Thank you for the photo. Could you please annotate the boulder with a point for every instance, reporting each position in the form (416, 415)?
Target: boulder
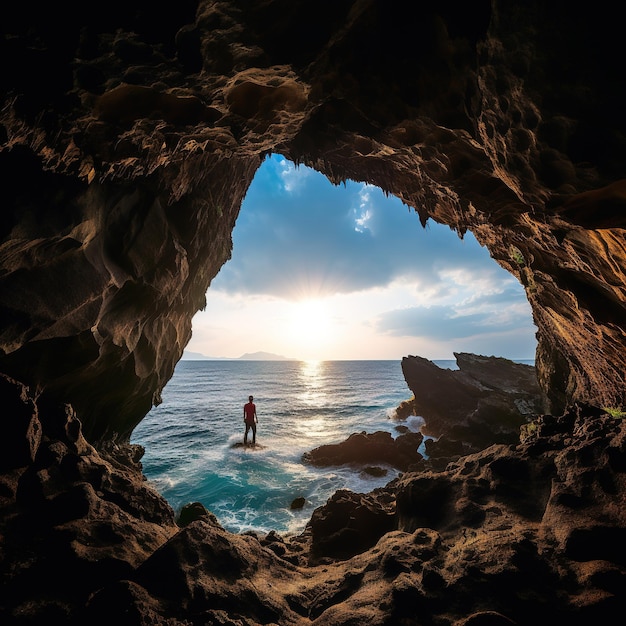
(367, 448)
(349, 523)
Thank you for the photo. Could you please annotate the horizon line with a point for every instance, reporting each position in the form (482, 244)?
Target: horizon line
(243, 358)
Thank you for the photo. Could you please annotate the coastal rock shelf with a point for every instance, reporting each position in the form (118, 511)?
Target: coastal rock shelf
(128, 139)
(498, 536)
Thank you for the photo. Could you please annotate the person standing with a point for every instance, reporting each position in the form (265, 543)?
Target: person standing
(250, 420)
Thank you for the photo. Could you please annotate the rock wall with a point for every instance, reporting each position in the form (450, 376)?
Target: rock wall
(129, 139)
(129, 135)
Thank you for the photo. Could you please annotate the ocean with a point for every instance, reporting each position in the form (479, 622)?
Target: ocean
(190, 439)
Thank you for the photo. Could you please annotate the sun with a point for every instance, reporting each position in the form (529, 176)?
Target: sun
(310, 328)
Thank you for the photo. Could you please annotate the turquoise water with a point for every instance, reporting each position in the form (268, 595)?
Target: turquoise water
(190, 438)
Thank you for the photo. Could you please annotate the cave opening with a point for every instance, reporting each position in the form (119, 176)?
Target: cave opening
(327, 272)
(328, 288)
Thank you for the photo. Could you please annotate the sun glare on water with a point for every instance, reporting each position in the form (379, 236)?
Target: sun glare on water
(311, 383)
(313, 394)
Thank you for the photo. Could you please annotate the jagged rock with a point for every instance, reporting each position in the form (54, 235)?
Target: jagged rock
(128, 139)
(373, 470)
(404, 410)
(19, 445)
(192, 512)
(443, 449)
(210, 570)
(485, 401)
(347, 524)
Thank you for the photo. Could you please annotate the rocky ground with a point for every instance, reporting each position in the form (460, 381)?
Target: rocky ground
(505, 535)
(129, 137)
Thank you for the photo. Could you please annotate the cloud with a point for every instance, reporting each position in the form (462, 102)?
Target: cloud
(391, 287)
(297, 236)
(482, 315)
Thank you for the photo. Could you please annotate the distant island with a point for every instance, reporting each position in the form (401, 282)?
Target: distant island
(248, 356)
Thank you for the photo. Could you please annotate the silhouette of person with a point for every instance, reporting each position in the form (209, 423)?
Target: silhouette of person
(250, 420)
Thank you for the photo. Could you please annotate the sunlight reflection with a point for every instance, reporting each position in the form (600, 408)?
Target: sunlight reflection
(313, 395)
(315, 431)
(312, 383)
(311, 372)
(314, 427)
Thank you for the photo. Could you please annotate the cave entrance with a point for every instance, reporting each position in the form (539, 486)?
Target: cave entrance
(325, 272)
(327, 289)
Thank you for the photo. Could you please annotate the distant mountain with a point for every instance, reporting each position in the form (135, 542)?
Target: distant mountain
(248, 356)
(194, 356)
(263, 356)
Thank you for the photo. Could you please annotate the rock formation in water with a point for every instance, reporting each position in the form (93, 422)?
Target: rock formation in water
(363, 448)
(485, 401)
(128, 138)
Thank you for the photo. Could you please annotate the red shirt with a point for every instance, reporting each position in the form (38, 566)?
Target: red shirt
(249, 412)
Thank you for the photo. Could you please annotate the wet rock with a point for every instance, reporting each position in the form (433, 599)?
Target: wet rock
(297, 503)
(363, 448)
(376, 471)
(192, 512)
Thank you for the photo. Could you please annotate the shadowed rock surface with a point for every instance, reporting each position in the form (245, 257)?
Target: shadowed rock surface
(128, 139)
(535, 528)
(483, 402)
(364, 448)
(486, 401)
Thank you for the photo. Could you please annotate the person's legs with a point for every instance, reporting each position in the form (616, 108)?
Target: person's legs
(253, 434)
(245, 437)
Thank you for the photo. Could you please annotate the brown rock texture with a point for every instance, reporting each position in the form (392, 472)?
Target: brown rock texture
(485, 401)
(128, 138)
(363, 448)
(499, 536)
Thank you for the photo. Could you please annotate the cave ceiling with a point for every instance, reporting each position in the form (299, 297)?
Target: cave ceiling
(129, 136)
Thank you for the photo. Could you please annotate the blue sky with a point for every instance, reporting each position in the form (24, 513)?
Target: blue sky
(323, 272)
